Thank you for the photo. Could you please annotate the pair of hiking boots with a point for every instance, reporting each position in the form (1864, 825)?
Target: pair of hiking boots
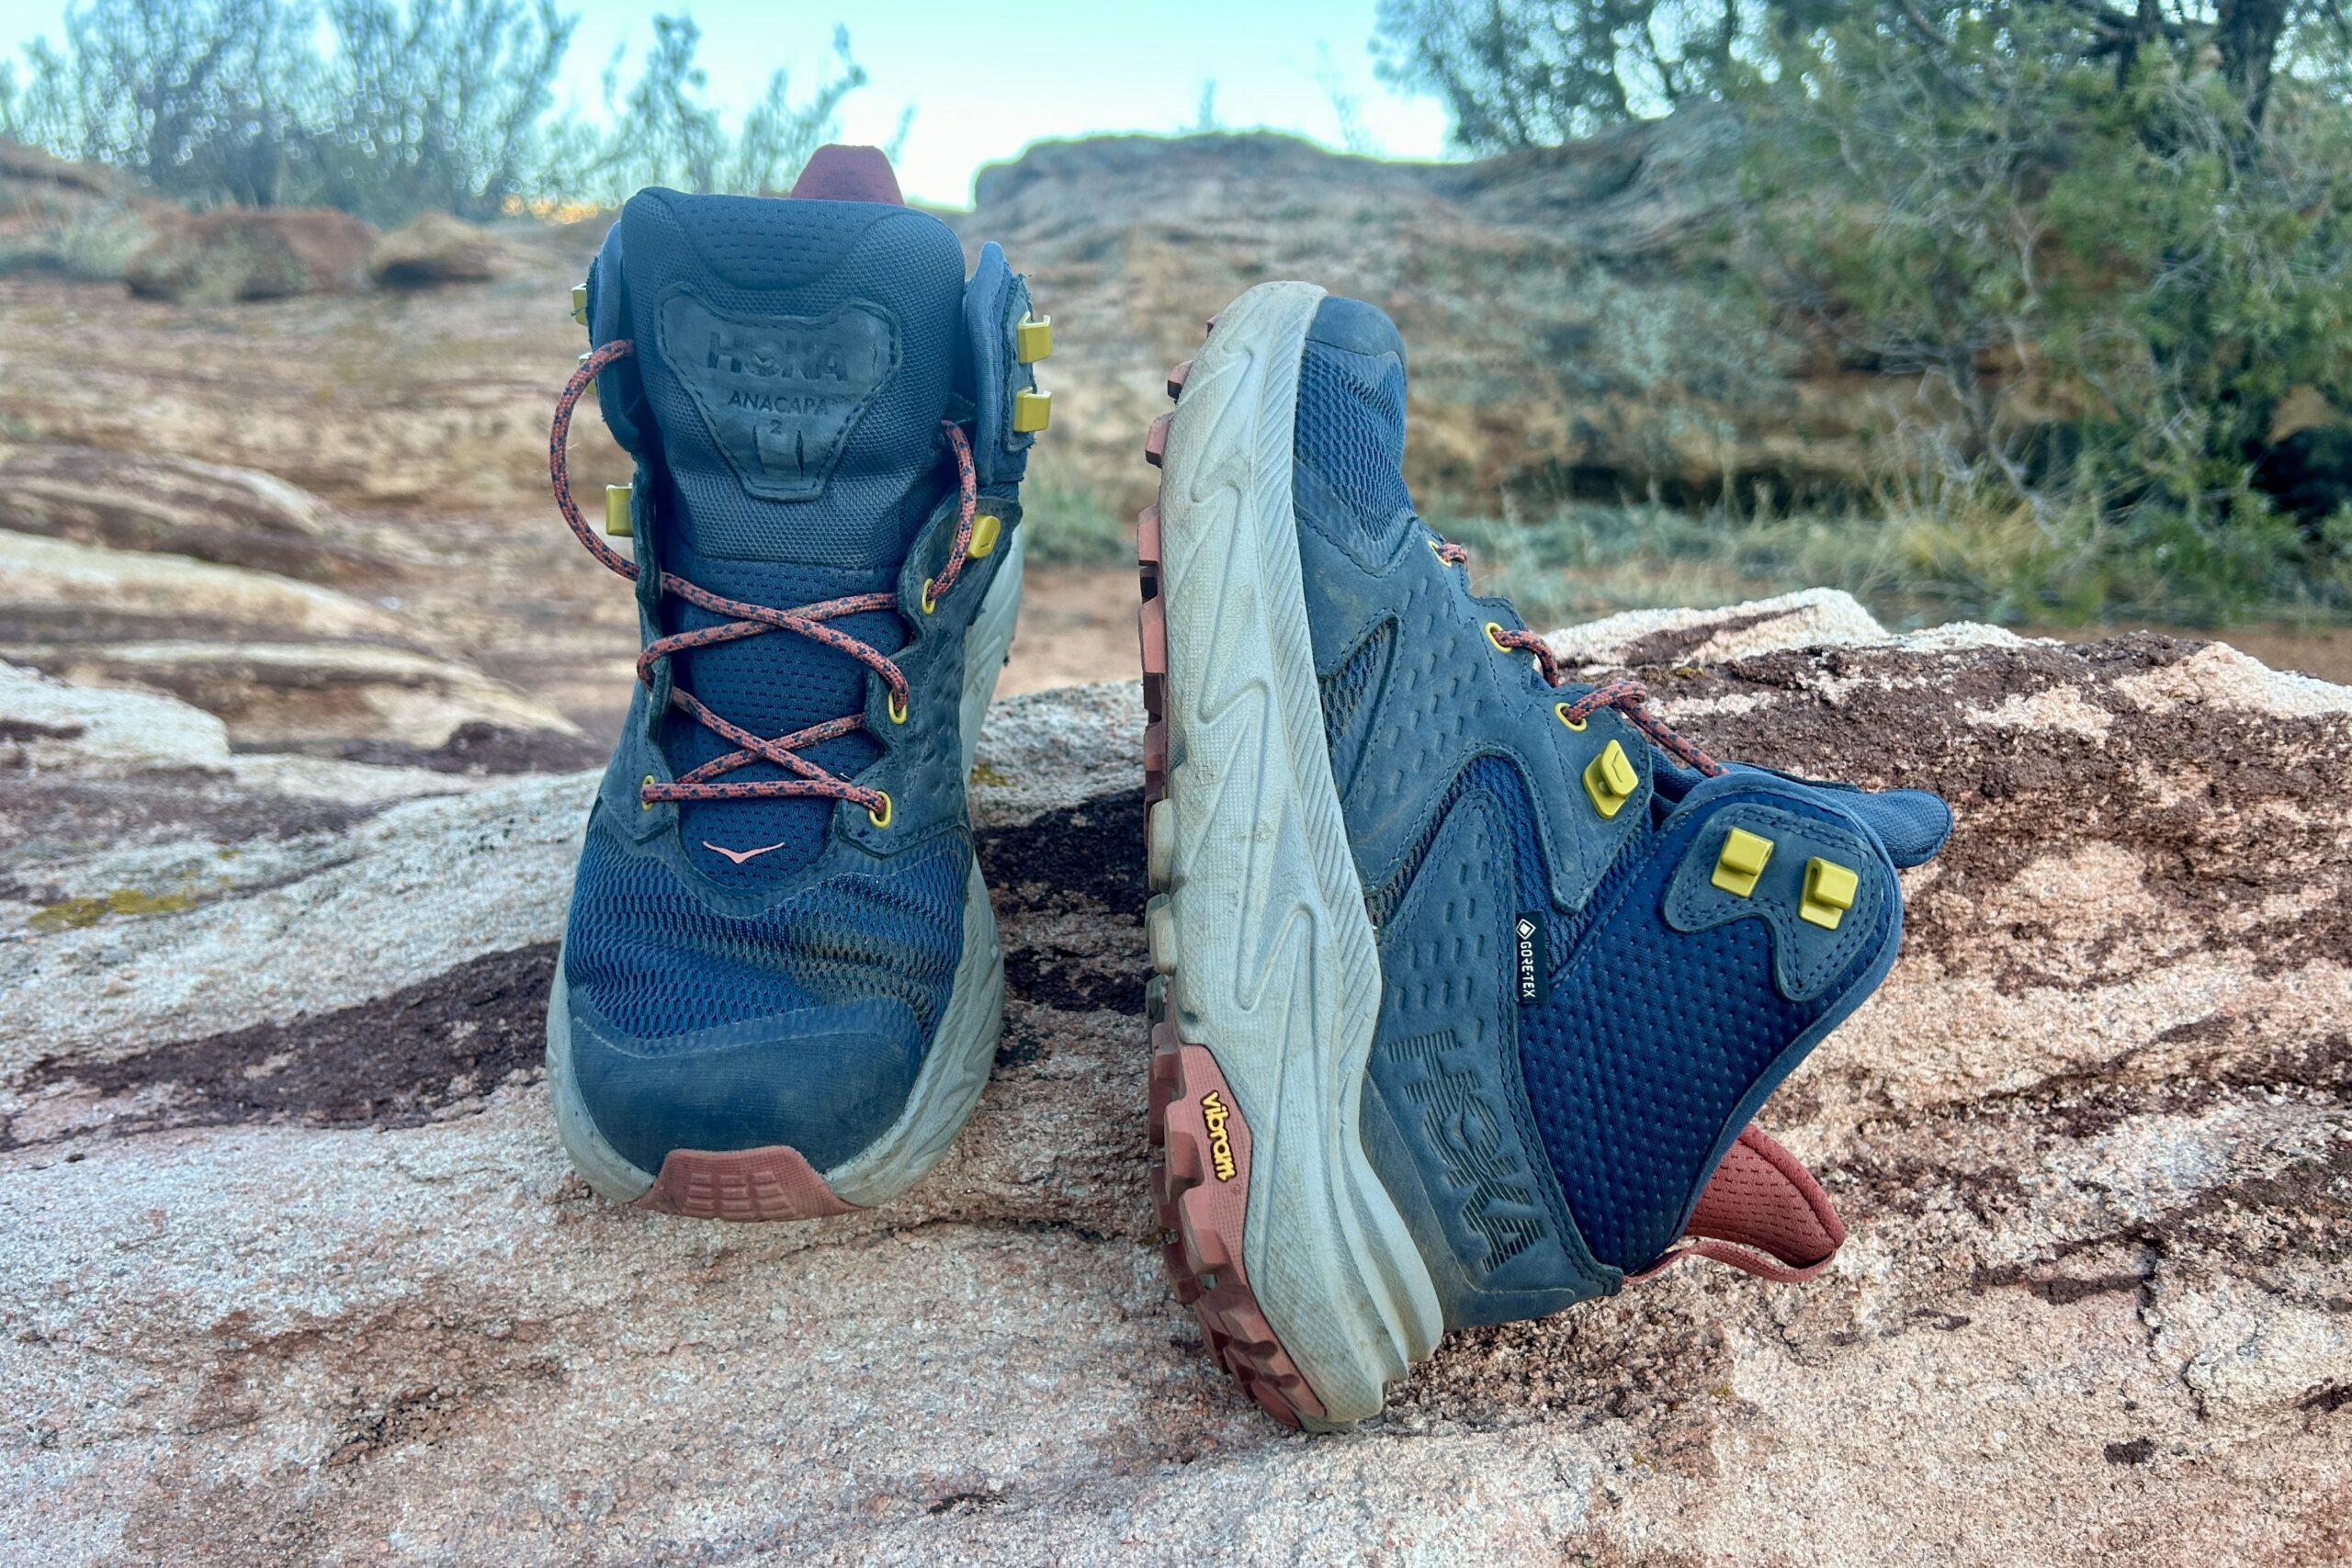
(1467, 979)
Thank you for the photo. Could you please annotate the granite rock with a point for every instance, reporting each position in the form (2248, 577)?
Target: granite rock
(298, 1272)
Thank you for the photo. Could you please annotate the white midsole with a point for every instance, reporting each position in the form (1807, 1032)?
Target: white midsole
(1276, 970)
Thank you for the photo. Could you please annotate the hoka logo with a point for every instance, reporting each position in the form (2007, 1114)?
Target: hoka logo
(742, 353)
(778, 394)
(1469, 1135)
(1213, 1113)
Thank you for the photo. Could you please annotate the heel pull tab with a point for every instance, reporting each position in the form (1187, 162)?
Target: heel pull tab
(1763, 1213)
(839, 173)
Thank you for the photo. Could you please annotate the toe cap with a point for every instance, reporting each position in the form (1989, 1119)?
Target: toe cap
(825, 1081)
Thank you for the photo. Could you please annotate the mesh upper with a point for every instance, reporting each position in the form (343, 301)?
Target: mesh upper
(1350, 694)
(1648, 1038)
(1351, 430)
(897, 935)
(1648, 1043)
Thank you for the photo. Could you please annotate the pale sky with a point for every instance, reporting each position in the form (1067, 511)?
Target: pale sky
(985, 80)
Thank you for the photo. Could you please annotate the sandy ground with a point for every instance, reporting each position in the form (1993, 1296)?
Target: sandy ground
(1076, 627)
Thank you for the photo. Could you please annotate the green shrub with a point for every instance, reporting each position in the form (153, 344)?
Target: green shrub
(388, 108)
(1980, 555)
(2118, 282)
(1066, 523)
(206, 101)
(2120, 239)
(663, 132)
(434, 104)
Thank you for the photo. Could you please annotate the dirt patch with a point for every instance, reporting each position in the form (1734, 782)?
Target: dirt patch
(395, 1062)
(1670, 647)
(1084, 861)
(2324, 652)
(20, 730)
(1635, 1358)
(1068, 887)
(2184, 794)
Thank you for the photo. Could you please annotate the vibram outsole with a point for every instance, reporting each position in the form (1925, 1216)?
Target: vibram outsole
(774, 1183)
(1200, 1189)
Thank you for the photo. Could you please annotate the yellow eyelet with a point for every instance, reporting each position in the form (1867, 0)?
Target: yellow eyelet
(897, 708)
(1576, 724)
(643, 803)
(1495, 636)
(930, 600)
(880, 818)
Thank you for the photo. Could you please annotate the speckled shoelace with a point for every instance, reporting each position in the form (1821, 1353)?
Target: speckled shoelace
(754, 620)
(1628, 697)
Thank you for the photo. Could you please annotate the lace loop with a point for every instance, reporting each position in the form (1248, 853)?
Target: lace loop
(1628, 697)
(746, 619)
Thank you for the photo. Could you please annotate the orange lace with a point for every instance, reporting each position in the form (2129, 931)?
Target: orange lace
(755, 620)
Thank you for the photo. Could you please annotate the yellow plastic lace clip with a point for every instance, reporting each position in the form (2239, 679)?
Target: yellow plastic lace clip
(1033, 339)
(1610, 779)
(1741, 862)
(1829, 890)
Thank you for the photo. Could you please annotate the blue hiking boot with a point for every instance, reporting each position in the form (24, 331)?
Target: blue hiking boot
(780, 984)
(1468, 980)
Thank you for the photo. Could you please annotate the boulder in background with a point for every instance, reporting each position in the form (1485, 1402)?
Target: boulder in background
(437, 249)
(239, 253)
(141, 500)
(71, 220)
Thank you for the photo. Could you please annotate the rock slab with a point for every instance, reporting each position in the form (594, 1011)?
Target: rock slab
(298, 1272)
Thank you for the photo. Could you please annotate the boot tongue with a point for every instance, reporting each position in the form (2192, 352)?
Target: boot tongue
(797, 356)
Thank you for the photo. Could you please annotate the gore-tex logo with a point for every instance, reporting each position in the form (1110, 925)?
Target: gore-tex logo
(1534, 974)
